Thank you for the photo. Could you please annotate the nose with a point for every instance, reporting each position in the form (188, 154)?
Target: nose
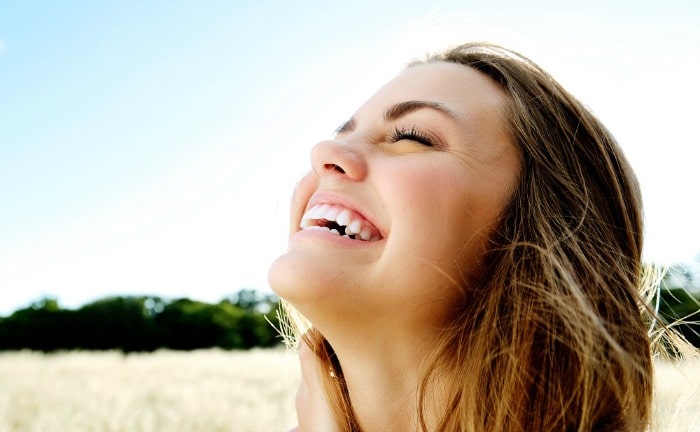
(333, 158)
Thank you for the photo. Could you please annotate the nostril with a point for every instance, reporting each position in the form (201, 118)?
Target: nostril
(335, 168)
(344, 161)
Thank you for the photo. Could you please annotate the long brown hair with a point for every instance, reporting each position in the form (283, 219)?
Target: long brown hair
(554, 336)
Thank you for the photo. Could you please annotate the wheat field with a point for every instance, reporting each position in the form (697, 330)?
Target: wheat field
(209, 390)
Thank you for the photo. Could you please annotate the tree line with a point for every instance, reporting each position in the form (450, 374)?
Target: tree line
(245, 320)
(680, 310)
(679, 304)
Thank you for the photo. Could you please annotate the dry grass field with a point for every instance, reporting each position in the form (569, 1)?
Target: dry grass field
(208, 390)
(171, 391)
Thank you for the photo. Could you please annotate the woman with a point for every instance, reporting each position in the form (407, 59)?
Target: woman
(467, 251)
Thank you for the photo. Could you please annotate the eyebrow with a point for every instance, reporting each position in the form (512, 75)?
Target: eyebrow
(401, 109)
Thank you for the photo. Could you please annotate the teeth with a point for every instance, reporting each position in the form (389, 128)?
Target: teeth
(353, 227)
(318, 212)
(366, 234)
(306, 222)
(340, 215)
(343, 218)
(331, 214)
(318, 228)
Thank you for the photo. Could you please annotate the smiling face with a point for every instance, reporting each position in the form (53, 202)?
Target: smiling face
(392, 222)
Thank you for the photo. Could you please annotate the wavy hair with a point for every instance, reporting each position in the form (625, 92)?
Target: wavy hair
(555, 335)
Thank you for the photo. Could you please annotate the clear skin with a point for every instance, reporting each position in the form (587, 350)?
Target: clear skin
(434, 192)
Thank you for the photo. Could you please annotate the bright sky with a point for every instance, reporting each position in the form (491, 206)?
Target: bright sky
(151, 147)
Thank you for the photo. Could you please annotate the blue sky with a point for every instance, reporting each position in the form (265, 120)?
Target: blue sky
(151, 147)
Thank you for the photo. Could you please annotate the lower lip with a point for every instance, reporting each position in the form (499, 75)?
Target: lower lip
(326, 236)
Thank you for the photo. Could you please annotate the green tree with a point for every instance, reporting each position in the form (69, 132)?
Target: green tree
(679, 306)
(144, 323)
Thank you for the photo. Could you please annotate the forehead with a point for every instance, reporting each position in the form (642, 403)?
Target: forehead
(479, 105)
(465, 91)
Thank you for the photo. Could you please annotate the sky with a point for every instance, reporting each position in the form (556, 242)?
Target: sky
(152, 147)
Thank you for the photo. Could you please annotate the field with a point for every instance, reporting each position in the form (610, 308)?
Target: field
(208, 390)
(169, 391)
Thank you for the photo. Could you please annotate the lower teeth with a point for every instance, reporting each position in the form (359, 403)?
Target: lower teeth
(336, 232)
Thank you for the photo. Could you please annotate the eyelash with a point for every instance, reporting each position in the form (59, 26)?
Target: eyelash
(412, 134)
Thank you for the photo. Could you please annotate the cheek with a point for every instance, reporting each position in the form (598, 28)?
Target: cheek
(302, 193)
(446, 215)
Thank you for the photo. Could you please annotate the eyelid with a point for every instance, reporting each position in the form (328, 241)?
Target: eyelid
(411, 133)
(431, 138)
(425, 135)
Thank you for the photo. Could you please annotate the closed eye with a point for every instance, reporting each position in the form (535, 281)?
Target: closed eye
(411, 134)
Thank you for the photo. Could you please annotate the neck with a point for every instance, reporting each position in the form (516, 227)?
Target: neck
(383, 376)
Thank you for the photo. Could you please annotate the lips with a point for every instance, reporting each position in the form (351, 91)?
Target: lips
(339, 220)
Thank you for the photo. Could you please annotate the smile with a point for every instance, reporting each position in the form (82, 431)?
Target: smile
(340, 221)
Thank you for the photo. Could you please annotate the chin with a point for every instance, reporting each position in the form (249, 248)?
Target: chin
(281, 277)
(292, 277)
(326, 295)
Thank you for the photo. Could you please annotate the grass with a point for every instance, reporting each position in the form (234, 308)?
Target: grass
(209, 390)
(677, 394)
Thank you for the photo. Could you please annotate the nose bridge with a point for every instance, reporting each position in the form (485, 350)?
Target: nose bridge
(339, 158)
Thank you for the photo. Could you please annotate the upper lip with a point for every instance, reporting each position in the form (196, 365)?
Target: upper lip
(334, 198)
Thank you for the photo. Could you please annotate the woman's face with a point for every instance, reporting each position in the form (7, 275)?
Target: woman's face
(393, 220)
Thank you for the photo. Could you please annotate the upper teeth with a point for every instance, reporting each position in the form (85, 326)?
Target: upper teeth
(354, 224)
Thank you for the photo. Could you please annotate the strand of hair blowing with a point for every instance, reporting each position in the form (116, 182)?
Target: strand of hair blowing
(552, 339)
